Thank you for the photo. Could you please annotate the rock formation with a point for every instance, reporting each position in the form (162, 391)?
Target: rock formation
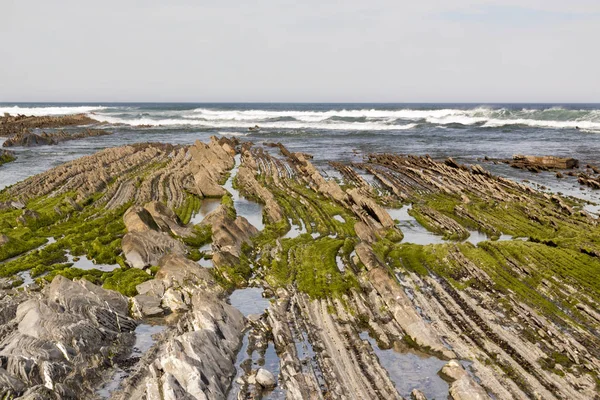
(195, 361)
(10, 125)
(69, 332)
(507, 319)
(28, 139)
(543, 162)
(6, 156)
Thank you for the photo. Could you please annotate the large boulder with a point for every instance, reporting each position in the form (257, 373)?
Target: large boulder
(228, 234)
(144, 249)
(165, 218)
(144, 305)
(149, 234)
(209, 350)
(138, 219)
(177, 271)
(197, 360)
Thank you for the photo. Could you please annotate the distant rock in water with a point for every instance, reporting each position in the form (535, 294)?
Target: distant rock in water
(543, 163)
(29, 139)
(11, 125)
(6, 156)
(536, 163)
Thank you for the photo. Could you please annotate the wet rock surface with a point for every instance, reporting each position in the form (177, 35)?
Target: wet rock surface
(7, 156)
(346, 307)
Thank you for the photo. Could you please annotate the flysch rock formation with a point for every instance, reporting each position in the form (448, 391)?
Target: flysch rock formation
(56, 343)
(16, 124)
(562, 167)
(196, 360)
(514, 318)
(28, 139)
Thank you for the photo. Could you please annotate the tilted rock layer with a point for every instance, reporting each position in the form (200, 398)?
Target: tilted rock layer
(512, 318)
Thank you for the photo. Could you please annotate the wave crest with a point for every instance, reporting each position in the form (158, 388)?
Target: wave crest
(319, 118)
(273, 124)
(40, 111)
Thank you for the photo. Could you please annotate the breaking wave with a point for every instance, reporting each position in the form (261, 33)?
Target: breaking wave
(382, 118)
(263, 123)
(362, 119)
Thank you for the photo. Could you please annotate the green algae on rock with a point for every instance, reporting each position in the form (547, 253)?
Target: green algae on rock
(6, 157)
(510, 318)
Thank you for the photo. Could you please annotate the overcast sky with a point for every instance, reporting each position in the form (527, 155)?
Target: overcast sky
(300, 50)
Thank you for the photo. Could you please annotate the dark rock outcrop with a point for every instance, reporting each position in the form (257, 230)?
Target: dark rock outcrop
(11, 125)
(29, 139)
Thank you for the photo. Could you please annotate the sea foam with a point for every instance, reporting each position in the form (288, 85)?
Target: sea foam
(346, 119)
(38, 111)
(245, 123)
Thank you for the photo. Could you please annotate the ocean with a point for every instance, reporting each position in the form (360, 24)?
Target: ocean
(332, 132)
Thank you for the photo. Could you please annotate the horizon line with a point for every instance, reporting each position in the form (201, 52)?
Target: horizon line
(301, 102)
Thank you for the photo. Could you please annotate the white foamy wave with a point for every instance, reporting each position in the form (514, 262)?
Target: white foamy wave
(39, 111)
(456, 119)
(587, 125)
(355, 119)
(225, 133)
(232, 123)
(319, 116)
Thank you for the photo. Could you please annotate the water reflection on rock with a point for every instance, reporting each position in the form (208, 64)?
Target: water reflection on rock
(409, 370)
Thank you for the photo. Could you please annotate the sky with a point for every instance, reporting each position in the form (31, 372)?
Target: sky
(300, 51)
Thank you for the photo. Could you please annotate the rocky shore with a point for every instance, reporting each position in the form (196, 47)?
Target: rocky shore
(22, 130)
(27, 139)
(97, 252)
(11, 125)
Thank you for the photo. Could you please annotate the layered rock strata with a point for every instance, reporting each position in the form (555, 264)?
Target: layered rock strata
(502, 319)
(29, 139)
(57, 343)
(10, 125)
